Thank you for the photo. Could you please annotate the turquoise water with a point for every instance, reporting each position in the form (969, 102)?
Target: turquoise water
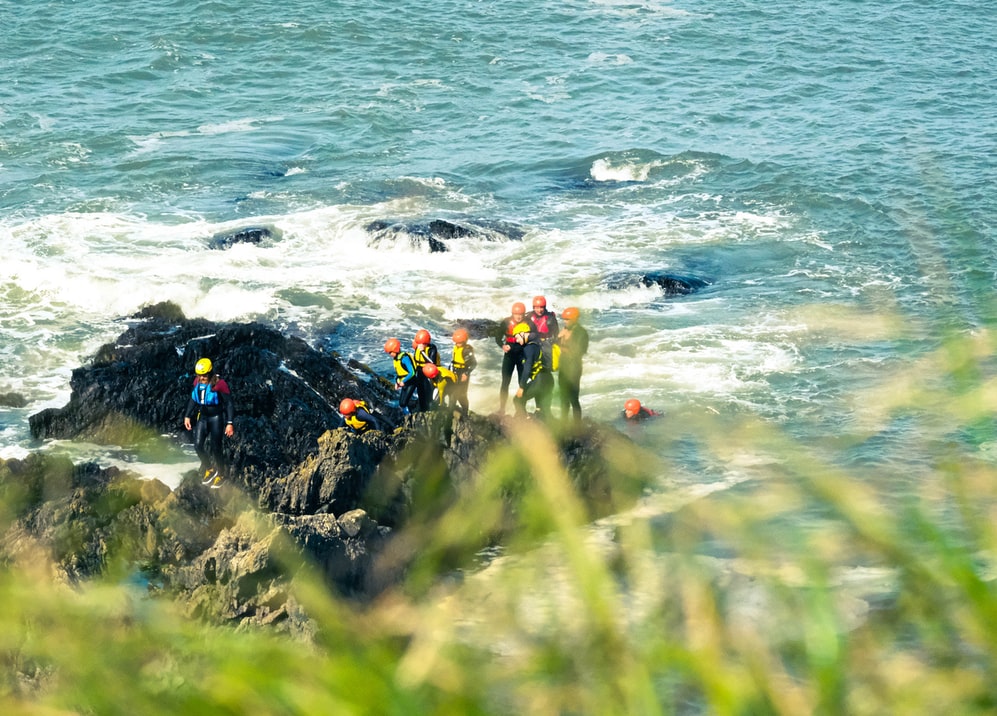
(828, 169)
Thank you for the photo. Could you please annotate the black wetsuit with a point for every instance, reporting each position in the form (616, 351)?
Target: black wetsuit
(512, 359)
(537, 381)
(210, 409)
(569, 373)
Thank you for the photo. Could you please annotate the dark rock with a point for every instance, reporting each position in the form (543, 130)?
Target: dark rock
(437, 232)
(363, 509)
(248, 235)
(671, 284)
(286, 393)
(12, 400)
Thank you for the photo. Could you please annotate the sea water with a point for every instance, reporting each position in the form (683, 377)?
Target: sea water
(827, 170)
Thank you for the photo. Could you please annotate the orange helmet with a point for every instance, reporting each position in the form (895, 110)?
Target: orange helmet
(539, 302)
(460, 336)
(422, 336)
(430, 370)
(347, 406)
(632, 406)
(392, 345)
(518, 307)
(570, 314)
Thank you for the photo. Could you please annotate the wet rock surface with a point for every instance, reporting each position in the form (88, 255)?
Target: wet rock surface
(303, 491)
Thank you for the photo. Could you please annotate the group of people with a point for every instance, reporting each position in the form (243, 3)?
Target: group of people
(535, 348)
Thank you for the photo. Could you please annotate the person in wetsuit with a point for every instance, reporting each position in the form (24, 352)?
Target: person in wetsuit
(405, 373)
(537, 381)
(210, 414)
(357, 416)
(634, 412)
(512, 358)
(424, 352)
(462, 363)
(574, 343)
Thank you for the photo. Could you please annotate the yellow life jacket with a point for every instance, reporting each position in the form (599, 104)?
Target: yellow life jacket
(458, 362)
(361, 426)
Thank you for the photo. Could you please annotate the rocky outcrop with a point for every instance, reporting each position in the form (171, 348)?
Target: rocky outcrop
(306, 495)
(249, 235)
(671, 284)
(437, 234)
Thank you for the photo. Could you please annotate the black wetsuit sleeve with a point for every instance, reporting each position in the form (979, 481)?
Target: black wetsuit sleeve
(582, 337)
(500, 334)
(229, 405)
(470, 361)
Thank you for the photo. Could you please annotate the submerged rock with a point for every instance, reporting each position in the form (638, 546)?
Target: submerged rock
(247, 235)
(670, 284)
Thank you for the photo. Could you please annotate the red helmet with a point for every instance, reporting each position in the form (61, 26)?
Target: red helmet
(422, 336)
(430, 370)
(347, 406)
(570, 314)
(392, 345)
(539, 302)
(460, 336)
(519, 307)
(632, 406)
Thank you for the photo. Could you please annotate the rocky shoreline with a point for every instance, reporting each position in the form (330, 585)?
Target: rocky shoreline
(304, 490)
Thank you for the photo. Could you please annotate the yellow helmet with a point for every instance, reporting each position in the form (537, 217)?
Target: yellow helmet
(522, 327)
(203, 366)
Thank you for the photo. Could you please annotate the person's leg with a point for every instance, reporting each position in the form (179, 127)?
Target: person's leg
(200, 444)
(507, 366)
(215, 432)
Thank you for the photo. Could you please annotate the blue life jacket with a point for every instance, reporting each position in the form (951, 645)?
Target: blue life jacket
(203, 394)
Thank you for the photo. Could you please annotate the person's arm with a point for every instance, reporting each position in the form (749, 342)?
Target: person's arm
(500, 335)
(189, 413)
(470, 360)
(581, 340)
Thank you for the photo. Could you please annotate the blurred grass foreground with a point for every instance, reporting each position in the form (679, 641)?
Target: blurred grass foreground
(806, 588)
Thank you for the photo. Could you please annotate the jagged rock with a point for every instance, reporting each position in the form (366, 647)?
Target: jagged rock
(437, 232)
(362, 508)
(286, 393)
(248, 235)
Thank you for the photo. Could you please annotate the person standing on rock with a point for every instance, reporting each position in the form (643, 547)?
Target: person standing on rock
(512, 358)
(424, 352)
(405, 373)
(574, 343)
(537, 381)
(210, 414)
(462, 363)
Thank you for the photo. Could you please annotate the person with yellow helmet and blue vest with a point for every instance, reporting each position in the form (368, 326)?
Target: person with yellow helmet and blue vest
(210, 413)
